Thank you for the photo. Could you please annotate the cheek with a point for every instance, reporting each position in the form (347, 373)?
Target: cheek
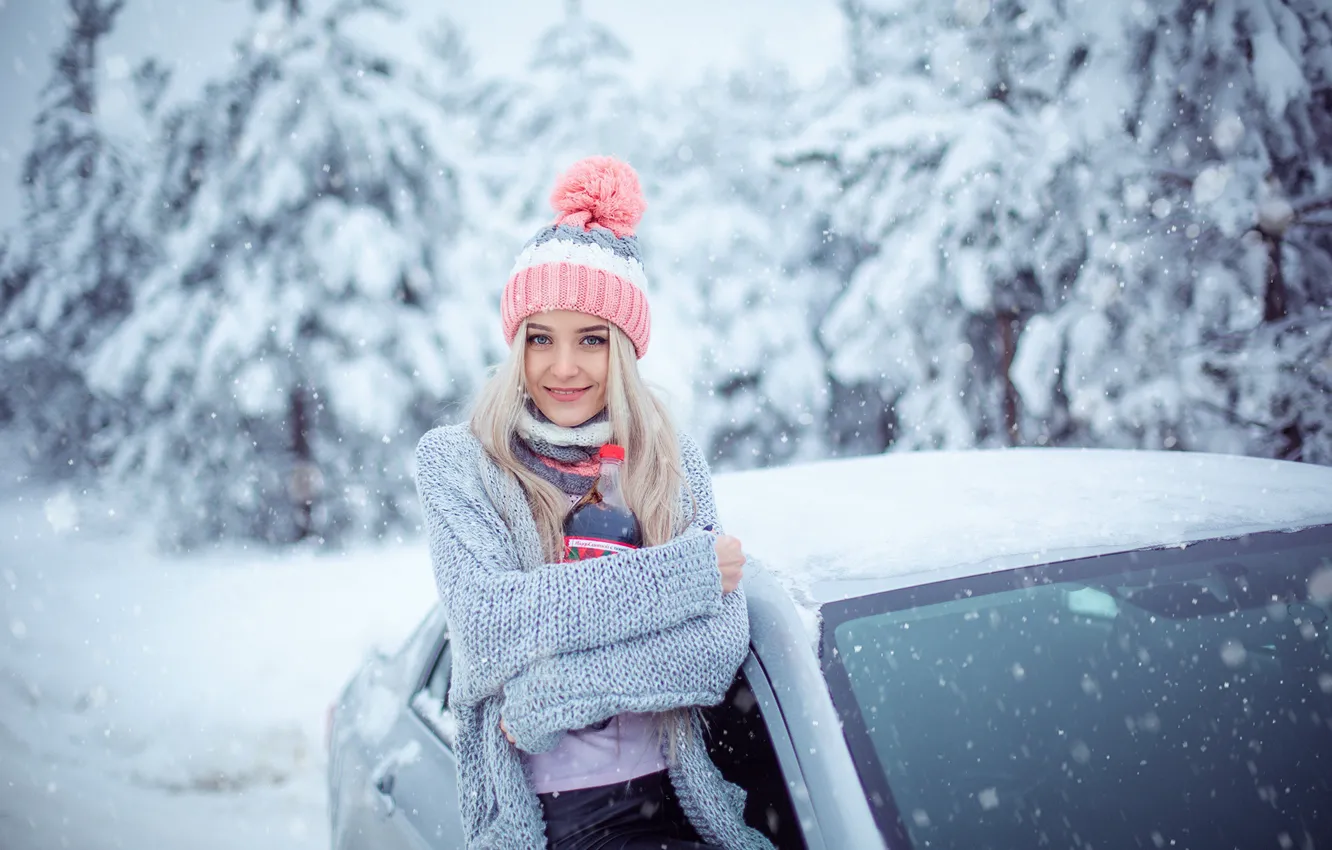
(599, 368)
(599, 373)
(532, 369)
(603, 363)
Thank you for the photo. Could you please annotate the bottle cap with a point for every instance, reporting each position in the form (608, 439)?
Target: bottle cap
(612, 452)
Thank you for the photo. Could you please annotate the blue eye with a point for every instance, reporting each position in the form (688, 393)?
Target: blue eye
(538, 339)
(594, 340)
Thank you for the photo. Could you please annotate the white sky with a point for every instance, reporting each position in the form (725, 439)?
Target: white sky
(681, 38)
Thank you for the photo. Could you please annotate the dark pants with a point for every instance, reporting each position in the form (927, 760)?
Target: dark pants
(641, 814)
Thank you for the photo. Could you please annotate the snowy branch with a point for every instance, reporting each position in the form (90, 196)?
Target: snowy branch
(1315, 205)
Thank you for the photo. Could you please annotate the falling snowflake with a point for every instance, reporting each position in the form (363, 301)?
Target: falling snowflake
(62, 512)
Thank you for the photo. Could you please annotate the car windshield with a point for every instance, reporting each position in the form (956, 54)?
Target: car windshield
(1161, 698)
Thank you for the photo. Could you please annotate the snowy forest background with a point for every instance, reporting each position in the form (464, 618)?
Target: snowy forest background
(1001, 223)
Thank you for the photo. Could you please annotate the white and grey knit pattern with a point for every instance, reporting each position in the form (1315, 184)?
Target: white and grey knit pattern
(545, 437)
(546, 645)
(625, 246)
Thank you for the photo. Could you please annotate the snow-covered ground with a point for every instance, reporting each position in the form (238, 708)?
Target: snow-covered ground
(150, 701)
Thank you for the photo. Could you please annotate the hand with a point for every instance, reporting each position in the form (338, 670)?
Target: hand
(505, 730)
(730, 561)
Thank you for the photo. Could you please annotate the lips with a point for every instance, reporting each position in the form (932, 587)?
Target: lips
(566, 395)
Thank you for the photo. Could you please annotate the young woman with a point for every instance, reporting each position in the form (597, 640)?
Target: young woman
(576, 684)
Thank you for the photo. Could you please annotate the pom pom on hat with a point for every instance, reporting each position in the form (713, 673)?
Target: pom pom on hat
(599, 190)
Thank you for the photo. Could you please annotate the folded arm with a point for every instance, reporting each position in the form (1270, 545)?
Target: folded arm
(505, 618)
(692, 663)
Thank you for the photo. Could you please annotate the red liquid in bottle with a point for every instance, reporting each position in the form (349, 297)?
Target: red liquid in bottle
(601, 522)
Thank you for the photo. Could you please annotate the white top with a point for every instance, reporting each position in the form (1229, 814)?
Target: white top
(628, 747)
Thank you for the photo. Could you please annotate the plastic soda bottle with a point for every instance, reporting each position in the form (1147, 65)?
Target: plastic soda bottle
(601, 523)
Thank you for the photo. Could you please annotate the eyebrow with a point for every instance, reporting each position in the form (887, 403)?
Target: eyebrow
(533, 326)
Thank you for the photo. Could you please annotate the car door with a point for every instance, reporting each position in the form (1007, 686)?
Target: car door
(416, 781)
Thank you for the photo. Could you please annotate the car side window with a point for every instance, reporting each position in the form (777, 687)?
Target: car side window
(437, 686)
(431, 702)
(419, 649)
(741, 748)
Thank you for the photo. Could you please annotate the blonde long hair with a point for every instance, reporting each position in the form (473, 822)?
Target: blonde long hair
(652, 474)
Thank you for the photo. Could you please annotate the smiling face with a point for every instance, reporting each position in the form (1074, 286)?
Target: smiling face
(565, 363)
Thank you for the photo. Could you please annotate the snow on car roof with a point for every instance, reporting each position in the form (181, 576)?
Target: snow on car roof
(842, 528)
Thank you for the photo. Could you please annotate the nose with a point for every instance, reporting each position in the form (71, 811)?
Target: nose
(565, 365)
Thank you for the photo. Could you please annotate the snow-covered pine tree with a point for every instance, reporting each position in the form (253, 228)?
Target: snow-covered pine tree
(581, 100)
(1090, 367)
(728, 230)
(574, 101)
(306, 325)
(1200, 319)
(1259, 166)
(945, 185)
(66, 278)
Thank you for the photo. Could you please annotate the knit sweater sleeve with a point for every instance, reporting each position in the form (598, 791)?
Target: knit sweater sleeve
(699, 477)
(503, 617)
(690, 664)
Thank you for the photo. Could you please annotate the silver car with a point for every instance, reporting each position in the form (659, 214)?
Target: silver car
(1010, 649)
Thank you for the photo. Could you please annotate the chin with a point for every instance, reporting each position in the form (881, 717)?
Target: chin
(568, 416)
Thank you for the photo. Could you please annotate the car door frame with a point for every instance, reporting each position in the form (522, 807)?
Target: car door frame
(815, 750)
(404, 823)
(780, 738)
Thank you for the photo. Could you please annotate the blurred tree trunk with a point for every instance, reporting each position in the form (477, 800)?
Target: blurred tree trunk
(304, 475)
(1007, 321)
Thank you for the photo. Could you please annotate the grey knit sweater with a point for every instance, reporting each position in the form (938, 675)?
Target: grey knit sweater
(553, 647)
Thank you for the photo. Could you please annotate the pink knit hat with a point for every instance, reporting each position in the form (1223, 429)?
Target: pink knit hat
(586, 260)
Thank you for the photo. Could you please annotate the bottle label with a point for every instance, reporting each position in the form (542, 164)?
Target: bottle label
(582, 548)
